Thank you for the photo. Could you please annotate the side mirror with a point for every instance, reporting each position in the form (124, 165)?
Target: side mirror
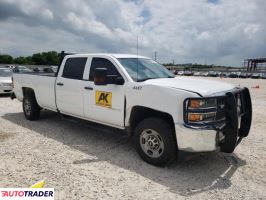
(100, 76)
(119, 80)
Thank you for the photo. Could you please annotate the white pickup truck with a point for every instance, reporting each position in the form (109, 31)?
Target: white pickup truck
(165, 114)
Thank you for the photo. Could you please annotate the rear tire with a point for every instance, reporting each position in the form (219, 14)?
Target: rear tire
(31, 108)
(155, 141)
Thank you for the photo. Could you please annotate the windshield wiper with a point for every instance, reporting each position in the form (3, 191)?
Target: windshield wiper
(144, 79)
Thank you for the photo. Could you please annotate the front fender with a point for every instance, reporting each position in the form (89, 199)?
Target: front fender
(163, 99)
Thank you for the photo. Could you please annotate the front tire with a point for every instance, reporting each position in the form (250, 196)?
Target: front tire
(31, 108)
(155, 141)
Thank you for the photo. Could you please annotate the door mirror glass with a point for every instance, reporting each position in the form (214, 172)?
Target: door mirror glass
(119, 80)
(115, 79)
(100, 76)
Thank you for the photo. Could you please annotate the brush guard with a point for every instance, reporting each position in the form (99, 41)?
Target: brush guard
(238, 112)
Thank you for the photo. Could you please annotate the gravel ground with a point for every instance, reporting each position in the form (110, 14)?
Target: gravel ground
(83, 160)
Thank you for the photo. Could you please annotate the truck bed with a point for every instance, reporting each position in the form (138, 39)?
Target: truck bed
(43, 85)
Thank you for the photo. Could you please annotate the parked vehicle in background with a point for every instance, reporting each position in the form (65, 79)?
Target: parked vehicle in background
(5, 80)
(233, 75)
(227, 74)
(54, 68)
(203, 73)
(196, 73)
(206, 74)
(48, 70)
(21, 69)
(224, 74)
(7, 66)
(243, 75)
(238, 74)
(37, 69)
(188, 73)
(263, 76)
(180, 73)
(212, 74)
(256, 75)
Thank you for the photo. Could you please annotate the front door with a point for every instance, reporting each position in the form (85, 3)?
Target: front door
(104, 103)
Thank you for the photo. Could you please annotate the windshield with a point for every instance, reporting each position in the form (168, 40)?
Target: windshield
(5, 73)
(141, 69)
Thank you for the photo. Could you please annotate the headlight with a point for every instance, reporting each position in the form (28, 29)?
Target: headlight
(202, 103)
(199, 111)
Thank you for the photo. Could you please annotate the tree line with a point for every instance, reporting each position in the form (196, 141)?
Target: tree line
(44, 58)
(53, 58)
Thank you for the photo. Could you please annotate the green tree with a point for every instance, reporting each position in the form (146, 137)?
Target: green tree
(20, 60)
(46, 58)
(38, 59)
(28, 60)
(52, 58)
(6, 59)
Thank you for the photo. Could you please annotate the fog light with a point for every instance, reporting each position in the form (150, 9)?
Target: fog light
(195, 117)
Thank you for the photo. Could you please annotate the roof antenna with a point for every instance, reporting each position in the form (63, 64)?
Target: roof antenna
(137, 58)
(140, 31)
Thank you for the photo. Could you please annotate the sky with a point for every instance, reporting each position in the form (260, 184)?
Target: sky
(220, 32)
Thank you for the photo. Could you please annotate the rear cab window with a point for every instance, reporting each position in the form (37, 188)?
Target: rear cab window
(74, 68)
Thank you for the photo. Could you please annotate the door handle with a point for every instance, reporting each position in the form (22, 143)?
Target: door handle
(60, 84)
(88, 88)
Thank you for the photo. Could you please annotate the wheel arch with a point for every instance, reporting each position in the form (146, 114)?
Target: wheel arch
(28, 91)
(139, 113)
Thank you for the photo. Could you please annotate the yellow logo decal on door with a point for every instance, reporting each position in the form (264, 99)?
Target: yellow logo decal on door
(103, 98)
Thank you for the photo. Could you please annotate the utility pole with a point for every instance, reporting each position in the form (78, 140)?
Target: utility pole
(155, 55)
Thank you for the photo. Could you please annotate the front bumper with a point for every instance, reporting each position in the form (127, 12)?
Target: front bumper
(236, 115)
(196, 140)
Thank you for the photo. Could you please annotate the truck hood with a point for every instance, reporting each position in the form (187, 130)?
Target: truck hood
(5, 80)
(198, 85)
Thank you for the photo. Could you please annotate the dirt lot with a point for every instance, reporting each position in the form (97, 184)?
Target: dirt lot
(82, 160)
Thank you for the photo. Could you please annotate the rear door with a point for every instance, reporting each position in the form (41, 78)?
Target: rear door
(104, 103)
(70, 86)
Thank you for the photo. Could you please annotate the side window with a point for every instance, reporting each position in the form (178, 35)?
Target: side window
(102, 63)
(74, 68)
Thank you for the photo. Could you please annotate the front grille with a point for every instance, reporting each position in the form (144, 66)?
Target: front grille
(220, 115)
